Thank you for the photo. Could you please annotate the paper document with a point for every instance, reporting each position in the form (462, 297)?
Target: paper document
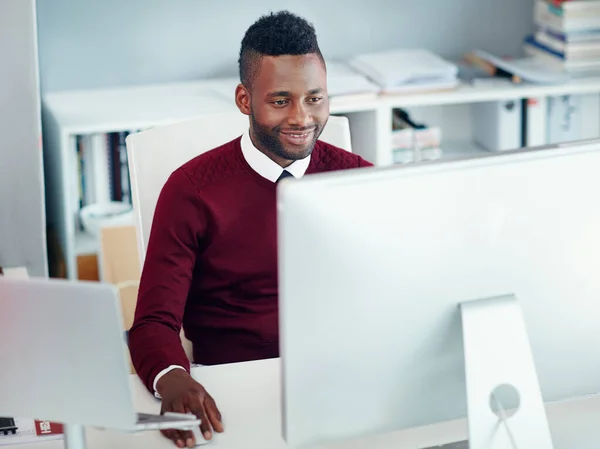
(395, 68)
(343, 80)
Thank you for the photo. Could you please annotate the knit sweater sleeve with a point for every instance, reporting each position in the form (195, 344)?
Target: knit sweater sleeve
(364, 163)
(178, 227)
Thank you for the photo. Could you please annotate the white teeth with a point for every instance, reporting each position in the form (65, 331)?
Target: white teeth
(297, 135)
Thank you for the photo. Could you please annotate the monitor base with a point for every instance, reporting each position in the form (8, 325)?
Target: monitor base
(504, 400)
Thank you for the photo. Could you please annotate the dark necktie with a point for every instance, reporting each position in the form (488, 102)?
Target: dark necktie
(284, 174)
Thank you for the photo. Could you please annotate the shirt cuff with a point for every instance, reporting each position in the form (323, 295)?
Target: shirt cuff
(162, 373)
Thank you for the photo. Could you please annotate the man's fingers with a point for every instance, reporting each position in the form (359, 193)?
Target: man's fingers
(188, 437)
(214, 415)
(174, 436)
(198, 410)
(181, 438)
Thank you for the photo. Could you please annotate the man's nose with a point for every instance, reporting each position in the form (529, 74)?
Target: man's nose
(298, 116)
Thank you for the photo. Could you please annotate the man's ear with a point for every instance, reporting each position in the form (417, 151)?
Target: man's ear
(242, 99)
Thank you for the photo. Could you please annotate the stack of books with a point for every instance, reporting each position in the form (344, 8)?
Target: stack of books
(567, 36)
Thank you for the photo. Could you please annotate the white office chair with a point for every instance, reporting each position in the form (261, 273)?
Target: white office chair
(156, 153)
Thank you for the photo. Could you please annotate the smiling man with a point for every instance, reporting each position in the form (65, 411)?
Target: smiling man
(211, 261)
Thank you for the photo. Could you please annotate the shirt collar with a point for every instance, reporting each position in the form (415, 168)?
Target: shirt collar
(266, 167)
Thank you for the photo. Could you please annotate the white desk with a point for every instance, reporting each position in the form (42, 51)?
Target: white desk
(248, 395)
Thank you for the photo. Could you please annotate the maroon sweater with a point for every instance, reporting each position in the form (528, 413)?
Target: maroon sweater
(211, 263)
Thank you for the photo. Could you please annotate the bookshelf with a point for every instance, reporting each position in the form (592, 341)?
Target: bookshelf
(496, 90)
(70, 114)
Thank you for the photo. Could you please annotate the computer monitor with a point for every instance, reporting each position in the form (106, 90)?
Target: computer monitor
(63, 359)
(378, 266)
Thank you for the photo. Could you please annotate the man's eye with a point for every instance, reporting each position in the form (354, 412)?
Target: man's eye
(280, 102)
(315, 99)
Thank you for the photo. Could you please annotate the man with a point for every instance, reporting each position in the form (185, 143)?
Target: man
(211, 261)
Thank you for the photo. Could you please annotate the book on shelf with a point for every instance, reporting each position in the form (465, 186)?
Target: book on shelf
(567, 44)
(572, 37)
(567, 35)
(562, 60)
(574, 8)
(572, 16)
(102, 170)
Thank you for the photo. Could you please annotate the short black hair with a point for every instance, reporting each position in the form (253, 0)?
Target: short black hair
(275, 34)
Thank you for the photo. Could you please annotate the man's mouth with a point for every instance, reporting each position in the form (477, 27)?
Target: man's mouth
(297, 137)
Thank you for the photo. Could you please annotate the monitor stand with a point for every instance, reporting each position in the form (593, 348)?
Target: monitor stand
(74, 436)
(498, 360)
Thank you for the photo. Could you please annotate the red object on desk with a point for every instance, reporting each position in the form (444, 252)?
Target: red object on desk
(47, 428)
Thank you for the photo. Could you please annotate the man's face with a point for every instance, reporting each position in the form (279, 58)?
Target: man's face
(288, 106)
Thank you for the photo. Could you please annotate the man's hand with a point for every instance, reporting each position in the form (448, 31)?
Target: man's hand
(182, 394)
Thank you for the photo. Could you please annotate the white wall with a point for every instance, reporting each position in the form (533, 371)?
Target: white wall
(86, 44)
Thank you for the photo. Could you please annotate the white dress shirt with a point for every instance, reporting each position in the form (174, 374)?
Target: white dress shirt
(267, 168)
(264, 166)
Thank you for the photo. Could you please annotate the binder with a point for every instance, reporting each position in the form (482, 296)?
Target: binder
(564, 117)
(498, 125)
(535, 114)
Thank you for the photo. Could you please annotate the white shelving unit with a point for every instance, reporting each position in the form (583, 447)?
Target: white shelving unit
(73, 113)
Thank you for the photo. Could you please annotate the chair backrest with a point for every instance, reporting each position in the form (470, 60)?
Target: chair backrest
(121, 266)
(118, 256)
(156, 153)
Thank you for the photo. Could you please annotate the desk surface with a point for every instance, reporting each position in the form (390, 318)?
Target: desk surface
(248, 395)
